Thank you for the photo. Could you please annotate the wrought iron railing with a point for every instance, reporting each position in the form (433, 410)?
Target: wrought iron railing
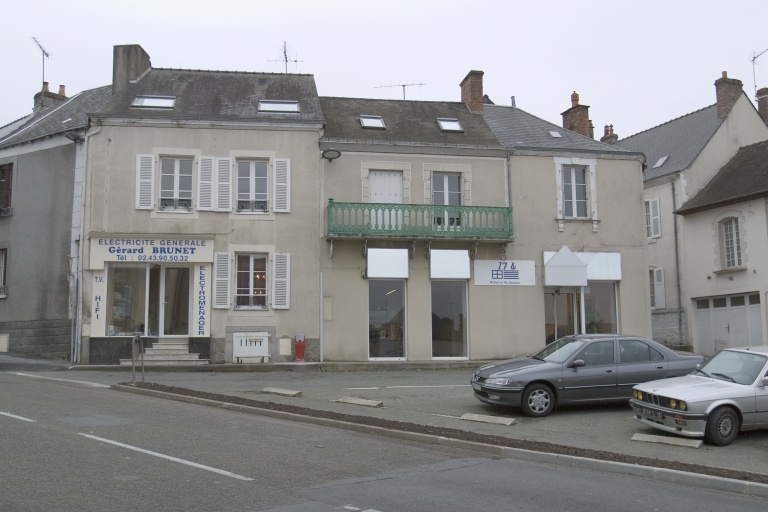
(6, 212)
(419, 220)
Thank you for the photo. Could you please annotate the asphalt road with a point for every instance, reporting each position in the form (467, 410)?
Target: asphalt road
(76, 445)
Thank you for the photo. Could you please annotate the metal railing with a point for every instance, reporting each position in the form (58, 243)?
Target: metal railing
(419, 220)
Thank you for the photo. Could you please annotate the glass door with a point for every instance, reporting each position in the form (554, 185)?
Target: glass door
(168, 308)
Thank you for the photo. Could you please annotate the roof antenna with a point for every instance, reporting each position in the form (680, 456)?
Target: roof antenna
(285, 58)
(46, 55)
(397, 85)
(754, 58)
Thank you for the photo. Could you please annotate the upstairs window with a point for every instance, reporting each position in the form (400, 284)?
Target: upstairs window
(165, 102)
(372, 122)
(446, 189)
(176, 184)
(251, 292)
(652, 218)
(6, 177)
(730, 243)
(449, 124)
(278, 106)
(3, 261)
(656, 281)
(252, 186)
(575, 193)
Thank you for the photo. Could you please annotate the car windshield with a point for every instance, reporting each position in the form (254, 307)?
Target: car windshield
(560, 350)
(732, 366)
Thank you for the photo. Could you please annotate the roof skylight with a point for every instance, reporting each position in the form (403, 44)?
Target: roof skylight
(154, 101)
(555, 134)
(660, 161)
(278, 106)
(449, 124)
(372, 122)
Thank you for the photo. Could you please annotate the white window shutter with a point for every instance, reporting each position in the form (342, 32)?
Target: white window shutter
(658, 283)
(145, 182)
(221, 280)
(223, 184)
(205, 180)
(281, 281)
(281, 185)
(655, 218)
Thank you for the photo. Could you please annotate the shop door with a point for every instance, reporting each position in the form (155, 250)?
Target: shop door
(169, 301)
(561, 314)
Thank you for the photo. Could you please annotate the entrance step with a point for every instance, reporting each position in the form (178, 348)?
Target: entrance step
(167, 354)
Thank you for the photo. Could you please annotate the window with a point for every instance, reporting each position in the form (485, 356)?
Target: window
(446, 189)
(278, 106)
(3, 261)
(598, 353)
(449, 124)
(386, 318)
(636, 351)
(575, 188)
(555, 134)
(154, 101)
(449, 319)
(252, 183)
(656, 279)
(660, 162)
(176, 184)
(251, 290)
(652, 218)
(372, 122)
(730, 243)
(6, 175)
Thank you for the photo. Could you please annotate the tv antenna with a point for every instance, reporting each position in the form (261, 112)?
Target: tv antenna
(397, 85)
(46, 55)
(754, 58)
(285, 58)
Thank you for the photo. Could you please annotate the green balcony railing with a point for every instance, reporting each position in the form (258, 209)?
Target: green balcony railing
(419, 220)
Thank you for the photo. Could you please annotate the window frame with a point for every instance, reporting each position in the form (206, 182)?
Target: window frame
(159, 102)
(3, 267)
(252, 272)
(279, 106)
(450, 124)
(652, 221)
(574, 172)
(656, 282)
(729, 235)
(6, 189)
(562, 163)
(176, 198)
(372, 122)
(252, 180)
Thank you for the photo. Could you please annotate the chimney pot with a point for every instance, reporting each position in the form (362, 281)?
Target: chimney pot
(61, 91)
(609, 137)
(472, 91)
(576, 118)
(45, 86)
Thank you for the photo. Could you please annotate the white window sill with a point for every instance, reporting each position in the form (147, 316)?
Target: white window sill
(730, 270)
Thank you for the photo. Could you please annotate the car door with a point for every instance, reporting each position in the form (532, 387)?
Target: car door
(596, 380)
(638, 362)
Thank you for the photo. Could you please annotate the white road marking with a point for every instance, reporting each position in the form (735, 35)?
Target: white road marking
(167, 457)
(22, 418)
(92, 384)
(443, 386)
(361, 388)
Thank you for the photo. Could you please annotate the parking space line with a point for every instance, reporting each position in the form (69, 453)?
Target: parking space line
(22, 418)
(86, 383)
(167, 457)
(443, 386)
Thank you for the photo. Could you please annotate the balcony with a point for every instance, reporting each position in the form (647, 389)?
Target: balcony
(419, 221)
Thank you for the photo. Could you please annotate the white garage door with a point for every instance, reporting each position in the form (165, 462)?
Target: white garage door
(732, 321)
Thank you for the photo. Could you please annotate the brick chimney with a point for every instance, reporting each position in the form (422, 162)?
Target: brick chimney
(762, 103)
(472, 91)
(728, 92)
(576, 118)
(46, 98)
(129, 62)
(609, 137)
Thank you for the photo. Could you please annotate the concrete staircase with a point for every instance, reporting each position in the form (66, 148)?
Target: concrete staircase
(167, 354)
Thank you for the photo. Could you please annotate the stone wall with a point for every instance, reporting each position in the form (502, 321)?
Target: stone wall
(44, 338)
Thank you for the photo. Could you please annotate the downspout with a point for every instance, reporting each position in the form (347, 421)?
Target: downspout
(677, 270)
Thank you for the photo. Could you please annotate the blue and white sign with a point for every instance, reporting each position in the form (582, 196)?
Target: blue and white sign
(505, 273)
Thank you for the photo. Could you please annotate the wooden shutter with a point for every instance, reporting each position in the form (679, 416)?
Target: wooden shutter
(658, 287)
(653, 217)
(281, 281)
(205, 180)
(281, 185)
(221, 280)
(145, 182)
(223, 184)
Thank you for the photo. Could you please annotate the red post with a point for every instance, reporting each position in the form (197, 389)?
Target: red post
(299, 346)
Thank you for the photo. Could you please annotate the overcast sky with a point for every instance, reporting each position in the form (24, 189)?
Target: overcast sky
(636, 63)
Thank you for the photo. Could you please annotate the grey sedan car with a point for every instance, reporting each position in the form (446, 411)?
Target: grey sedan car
(727, 395)
(580, 369)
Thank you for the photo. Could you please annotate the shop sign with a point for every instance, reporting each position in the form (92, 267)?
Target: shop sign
(505, 273)
(149, 250)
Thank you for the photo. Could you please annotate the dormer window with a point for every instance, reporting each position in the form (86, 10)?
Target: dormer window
(278, 106)
(372, 122)
(449, 124)
(154, 101)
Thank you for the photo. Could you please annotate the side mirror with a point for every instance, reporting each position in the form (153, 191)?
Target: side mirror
(578, 363)
(764, 382)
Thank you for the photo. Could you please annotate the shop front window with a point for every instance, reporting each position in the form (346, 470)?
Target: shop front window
(600, 307)
(449, 319)
(386, 318)
(127, 299)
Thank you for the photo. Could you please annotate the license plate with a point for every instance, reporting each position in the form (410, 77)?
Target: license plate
(476, 386)
(651, 413)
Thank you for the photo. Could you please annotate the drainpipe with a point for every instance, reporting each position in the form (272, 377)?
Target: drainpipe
(677, 270)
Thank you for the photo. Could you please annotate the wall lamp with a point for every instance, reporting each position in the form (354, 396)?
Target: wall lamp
(331, 154)
(75, 136)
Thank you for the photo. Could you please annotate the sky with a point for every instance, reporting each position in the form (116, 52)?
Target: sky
(637, 64)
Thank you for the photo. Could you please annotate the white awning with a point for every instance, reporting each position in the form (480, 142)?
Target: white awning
(567, 268)
(388, 263)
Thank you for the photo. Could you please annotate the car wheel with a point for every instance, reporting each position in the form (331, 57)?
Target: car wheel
(538, 400)
(722, 426)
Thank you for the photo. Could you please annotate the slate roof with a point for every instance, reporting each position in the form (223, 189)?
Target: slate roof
(681, 140)
(516, 128)
(744, 176)
(409, 122)
(70, 115)
(218, 96)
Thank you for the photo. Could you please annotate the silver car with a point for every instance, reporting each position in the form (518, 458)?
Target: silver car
(727, 395)
(580, 369)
